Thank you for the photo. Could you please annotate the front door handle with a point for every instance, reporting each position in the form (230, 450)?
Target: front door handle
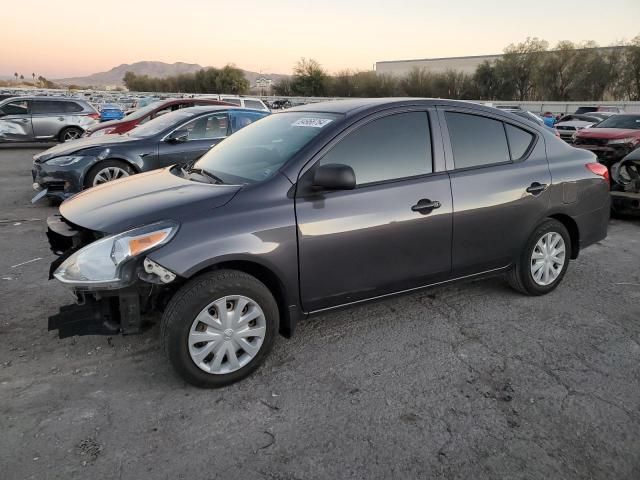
(425, 206)
(537, 188)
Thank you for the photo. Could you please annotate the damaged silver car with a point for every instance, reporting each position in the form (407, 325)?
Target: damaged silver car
(35, 119)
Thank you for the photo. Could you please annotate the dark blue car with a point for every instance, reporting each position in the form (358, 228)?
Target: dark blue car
(110, 111)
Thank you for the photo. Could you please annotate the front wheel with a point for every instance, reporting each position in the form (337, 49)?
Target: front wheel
(544, 260)
(107, 171)
(219, 327)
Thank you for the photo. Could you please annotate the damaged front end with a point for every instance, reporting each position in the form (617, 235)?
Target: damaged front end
(113, 282)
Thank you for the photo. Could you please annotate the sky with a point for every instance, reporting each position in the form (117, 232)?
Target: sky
(269, 36)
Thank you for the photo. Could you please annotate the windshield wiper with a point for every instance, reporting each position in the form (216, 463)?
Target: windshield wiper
(206, 173)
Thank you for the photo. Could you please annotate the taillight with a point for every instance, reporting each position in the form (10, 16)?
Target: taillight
(95, 115)
(599, 169)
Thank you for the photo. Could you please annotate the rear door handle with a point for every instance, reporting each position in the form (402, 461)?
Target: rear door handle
(536, 188)
(425, 206)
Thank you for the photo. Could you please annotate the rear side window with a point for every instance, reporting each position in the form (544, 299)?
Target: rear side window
(253, 104)
(519, 141)
(234, 101)
(476, 140)
(48, 106)
(72, 107)
(392, 147)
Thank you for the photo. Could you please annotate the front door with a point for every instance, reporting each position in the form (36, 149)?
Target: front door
(499, 179)
(204, 132)
(15, 121)
(377, 238)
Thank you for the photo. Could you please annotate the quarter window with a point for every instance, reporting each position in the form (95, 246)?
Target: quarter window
(519, 141)
(396, 146)
(476, 140)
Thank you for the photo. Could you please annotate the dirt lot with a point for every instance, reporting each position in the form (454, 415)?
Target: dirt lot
(465, 381)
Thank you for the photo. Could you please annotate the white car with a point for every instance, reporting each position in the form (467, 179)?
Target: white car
(246, 102)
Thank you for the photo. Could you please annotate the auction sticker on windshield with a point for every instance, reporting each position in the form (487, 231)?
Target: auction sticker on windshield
(312, 122)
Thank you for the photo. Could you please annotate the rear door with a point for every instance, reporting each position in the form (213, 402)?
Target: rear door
(499, 179)
(372, 240)
(204, 132)
(48, 117)
(15, 121)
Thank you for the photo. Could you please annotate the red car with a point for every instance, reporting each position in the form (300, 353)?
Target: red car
(147, 113)
(611, 139)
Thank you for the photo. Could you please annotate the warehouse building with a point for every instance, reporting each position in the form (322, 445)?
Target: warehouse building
(440, 65)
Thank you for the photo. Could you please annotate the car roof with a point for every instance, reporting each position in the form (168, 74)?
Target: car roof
(212, 108)
(358, 105)
(54, 99)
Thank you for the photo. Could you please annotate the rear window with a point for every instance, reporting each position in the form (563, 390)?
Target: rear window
(620, 121)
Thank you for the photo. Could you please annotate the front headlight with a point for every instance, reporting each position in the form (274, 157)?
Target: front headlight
(621, 140)
(100, 263)
(64, 161)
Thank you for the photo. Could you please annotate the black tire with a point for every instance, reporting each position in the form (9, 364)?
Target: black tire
(520, 277)
(91, 175)
(190, 300)
(64, 133)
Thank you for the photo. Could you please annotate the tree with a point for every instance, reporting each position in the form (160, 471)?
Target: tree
(631, 70)
(309, 78)
(519, 64)
(16, 75)
(418, 83)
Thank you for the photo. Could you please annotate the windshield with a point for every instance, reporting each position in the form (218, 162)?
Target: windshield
(144, 111)
(256, 152)
(158, 124)
(620, 121)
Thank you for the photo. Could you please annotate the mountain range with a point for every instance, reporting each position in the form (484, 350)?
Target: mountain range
(152, 69)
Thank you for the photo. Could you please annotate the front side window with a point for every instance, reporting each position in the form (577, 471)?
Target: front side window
(208, 127)
(476, 140)
(392, 147)
(258, 151)
(19, 107)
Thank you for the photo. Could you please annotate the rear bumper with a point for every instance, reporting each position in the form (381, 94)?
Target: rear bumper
(593, 226)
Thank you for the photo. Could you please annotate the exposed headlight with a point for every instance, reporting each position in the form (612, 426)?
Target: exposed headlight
(622, 140)
(64, 161)
(100, 263)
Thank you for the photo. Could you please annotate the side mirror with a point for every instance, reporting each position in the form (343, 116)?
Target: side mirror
(334, 176)
(178, 136)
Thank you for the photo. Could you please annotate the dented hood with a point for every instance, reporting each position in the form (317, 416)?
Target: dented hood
(141, 199)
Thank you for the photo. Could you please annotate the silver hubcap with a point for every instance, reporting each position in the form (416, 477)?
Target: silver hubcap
(227, 334)
(548, 258)
(109, 173)
(71, 135)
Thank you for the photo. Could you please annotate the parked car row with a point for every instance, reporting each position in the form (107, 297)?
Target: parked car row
(300, 212)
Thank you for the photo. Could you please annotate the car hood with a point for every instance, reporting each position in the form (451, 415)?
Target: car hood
(610, 133)
(84, 143)
(141, 199)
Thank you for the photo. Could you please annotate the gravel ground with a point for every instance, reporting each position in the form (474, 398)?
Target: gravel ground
(464, 381)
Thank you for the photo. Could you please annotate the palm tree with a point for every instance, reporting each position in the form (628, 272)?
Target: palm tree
(16, 75)
(33, 75)
(21, 77)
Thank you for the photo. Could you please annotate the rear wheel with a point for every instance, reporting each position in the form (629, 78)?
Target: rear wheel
(544, 260)
(69, 133)
(107, 171)
(219, 328)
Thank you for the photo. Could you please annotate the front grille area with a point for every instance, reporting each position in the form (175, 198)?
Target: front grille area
(596, 142)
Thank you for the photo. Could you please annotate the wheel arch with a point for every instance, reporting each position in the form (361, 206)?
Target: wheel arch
(574, 233)
(288, 316)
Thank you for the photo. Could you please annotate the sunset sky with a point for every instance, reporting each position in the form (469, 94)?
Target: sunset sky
(270, 36)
